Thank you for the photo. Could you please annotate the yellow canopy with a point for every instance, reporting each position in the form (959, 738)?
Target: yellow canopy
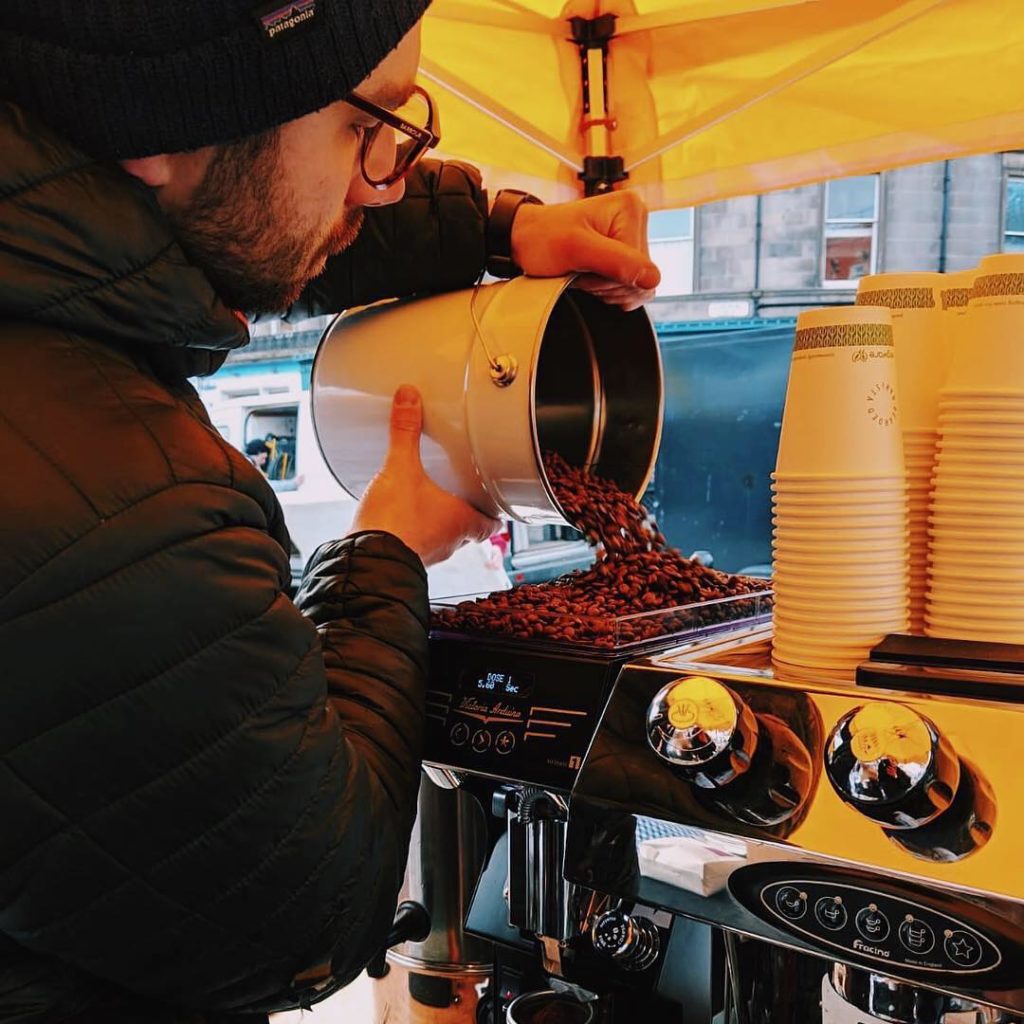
(714, 98)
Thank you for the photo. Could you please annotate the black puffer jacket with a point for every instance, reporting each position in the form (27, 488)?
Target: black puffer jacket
(205, 788)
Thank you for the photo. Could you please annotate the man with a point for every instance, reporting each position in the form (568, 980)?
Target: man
(207, 790)
(258, 453)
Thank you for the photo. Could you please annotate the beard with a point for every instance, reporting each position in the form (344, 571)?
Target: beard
(240, 228)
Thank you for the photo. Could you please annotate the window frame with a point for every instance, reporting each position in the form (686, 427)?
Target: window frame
(1011, 177)
(850, 224)
(671, 239)
(288, 408)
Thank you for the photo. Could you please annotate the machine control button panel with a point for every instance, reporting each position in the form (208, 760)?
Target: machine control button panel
(878, 926)
(504, 711)
(872, 924)
(830, 913)
(916, 936)
(963, 948)
(791, 902)
(505, 742)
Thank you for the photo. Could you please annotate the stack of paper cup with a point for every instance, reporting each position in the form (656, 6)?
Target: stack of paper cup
(840, 507)
(922, 363)
(976, 570)
(954, 296)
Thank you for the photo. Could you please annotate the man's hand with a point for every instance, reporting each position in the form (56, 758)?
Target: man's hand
(402, 500)
(603, 238)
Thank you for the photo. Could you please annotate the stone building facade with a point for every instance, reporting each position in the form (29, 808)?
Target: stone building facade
(765, 256)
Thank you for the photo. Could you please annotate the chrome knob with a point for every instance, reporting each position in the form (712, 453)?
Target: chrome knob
(699, 725)
(632, 942)
(892, 764)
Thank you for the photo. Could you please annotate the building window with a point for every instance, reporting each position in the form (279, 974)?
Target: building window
(670, 238)
(270, 433)
(1013, 232)
(851, 230)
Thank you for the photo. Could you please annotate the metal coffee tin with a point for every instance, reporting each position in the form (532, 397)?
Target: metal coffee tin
(507, 371)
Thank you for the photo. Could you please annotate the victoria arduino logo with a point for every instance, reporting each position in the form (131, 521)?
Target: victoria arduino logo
(278, 19)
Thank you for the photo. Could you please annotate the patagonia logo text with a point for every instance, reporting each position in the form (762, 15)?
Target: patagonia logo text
(279, 19)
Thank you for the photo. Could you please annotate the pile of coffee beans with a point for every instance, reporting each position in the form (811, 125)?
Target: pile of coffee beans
(635, 572)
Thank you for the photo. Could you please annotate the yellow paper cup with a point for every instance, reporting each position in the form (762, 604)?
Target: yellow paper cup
(988, 352)
(922, 357)
(841, 415)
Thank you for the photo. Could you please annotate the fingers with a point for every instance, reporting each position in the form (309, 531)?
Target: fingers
(406, 424)
(631, 219)
(615, 260)
(613, 293)
(485, 528)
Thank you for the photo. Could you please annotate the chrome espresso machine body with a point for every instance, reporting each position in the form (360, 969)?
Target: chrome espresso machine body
(872, 826)
(688, 835)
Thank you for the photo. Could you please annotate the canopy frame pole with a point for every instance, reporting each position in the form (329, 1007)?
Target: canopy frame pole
(848, 44)
(602, 170)
(489, 107)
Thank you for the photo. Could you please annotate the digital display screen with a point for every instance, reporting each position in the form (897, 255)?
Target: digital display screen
(499, 683)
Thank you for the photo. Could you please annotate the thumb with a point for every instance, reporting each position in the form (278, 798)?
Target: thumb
(406, 424)
(616, 261)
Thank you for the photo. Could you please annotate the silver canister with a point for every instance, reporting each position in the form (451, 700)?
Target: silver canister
(507, 372)
(446, 856)
(443, 978)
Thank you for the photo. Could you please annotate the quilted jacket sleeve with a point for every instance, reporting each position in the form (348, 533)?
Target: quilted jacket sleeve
(207, 787)
(431, 241)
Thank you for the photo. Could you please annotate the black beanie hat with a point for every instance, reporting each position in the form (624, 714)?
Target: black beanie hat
(130, 78)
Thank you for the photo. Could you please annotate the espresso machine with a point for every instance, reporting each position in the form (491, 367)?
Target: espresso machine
(674, 829)
(869, 826)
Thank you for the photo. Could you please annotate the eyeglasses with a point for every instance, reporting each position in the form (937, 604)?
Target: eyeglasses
(416, 120)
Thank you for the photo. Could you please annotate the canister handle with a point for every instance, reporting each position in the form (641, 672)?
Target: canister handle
(504, 368)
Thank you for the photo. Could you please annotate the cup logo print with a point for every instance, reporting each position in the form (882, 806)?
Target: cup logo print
(882, 404)
(873, 336)
(898, 298)
(955, 298)
(1009, 287)
(862, 355)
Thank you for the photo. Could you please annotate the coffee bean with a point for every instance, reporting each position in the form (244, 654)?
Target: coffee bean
(635, 571)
